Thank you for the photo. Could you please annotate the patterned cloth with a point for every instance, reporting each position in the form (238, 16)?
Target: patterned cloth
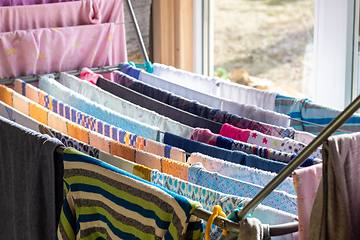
(268, 152)
(254, 137)
(90, 76)
(306, 182)
(37, 51)
(110, 203)
(277, 199)
(29, 2)
(206, 136)
(240, 172)
(203, 110)
(76, 100)
(209, 198)
(126, 108)
(64, 125)
(306, 110)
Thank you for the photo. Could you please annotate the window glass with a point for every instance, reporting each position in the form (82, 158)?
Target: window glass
(267, 44)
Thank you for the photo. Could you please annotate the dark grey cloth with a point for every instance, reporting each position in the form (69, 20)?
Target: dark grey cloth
(252, 229)
(28, 181)
(161, 108)
(335, 213)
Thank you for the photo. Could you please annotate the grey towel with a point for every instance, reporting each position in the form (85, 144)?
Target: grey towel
(252, 229)
(27, 183)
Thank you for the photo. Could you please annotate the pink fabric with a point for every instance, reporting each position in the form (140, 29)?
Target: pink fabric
(72, 14)
(45, 50)
(306, 182)
(79, 20)
(29, 2)
(204, 136)
(235, 133)
(90, 76)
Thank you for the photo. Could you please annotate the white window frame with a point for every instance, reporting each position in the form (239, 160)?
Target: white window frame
(336, 33)
(335, 54)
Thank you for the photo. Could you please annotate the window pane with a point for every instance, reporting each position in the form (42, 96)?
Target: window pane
(271, 40)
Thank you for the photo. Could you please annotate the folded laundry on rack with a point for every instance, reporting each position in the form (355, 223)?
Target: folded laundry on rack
(188, 91)
(240, 172)
(27, 159)
(28, 52)
(145, 209)
(280, 200)
(161, 108)
(306, 110)
(76, 100)
(29, 2)
(217, 87)
(237, 157)
(209, 198)
(74, 13)
(124, 107)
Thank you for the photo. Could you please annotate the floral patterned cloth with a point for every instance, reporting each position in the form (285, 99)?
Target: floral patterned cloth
(240, 172)
(277, 199)
(209, 198)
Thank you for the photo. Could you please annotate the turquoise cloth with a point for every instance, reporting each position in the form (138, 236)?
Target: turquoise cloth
(306, 110)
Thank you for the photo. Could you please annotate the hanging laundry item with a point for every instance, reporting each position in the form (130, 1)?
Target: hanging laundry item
(89, 122)
(217, 87)
(254, 137)
(92, 186)
(240, 172)
(306, 182)
(198, 108)
(74, 13)
(147, 159)
(157, 106)
(27, 159)
(277, 199)
(69, 128)
(335, 211)
(209, 198)
(206, 136)
(52, 87)
(37, 51)
(163, 150)
(306, 110)
(121, 106)
(30, 2)
(142, 172)
(234, 107)
(238, 157)
(174, 168)
(251, 228)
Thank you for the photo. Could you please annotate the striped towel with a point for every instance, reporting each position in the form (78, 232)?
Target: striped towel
(112, 204)
(306, 110)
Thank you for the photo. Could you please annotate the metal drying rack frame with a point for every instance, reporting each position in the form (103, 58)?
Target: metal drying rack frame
(224, 223)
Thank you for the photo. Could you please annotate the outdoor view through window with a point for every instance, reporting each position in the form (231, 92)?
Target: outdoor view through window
(266, 44)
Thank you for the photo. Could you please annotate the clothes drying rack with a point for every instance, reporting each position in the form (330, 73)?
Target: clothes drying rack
(275, 230)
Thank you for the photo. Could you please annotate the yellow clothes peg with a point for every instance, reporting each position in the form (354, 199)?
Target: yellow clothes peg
(216, 211)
